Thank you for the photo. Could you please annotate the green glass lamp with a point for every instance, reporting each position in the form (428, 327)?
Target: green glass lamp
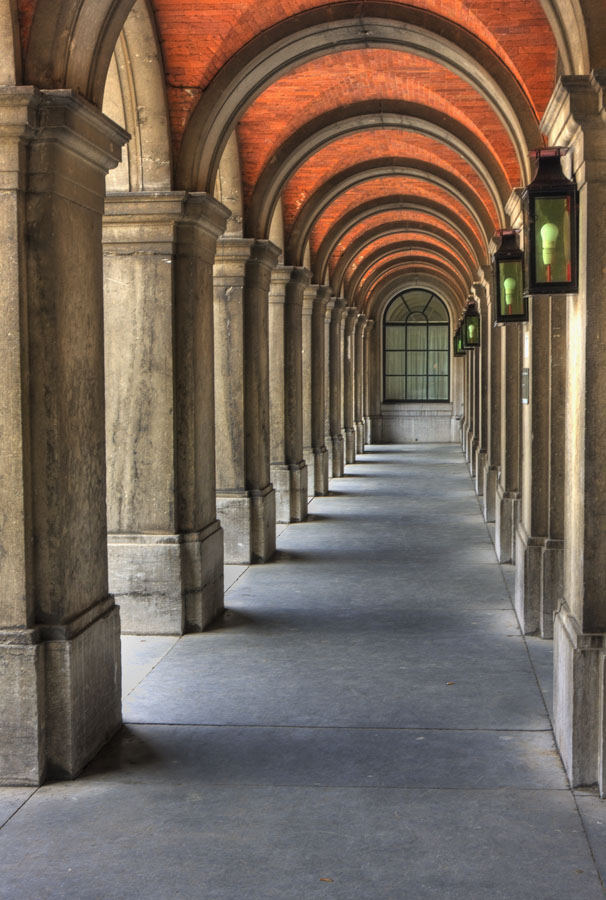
(470, 328)
(550, 205)
(458, 348)
(508, 268)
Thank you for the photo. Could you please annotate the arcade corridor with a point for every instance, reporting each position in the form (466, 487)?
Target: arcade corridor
(366, 722)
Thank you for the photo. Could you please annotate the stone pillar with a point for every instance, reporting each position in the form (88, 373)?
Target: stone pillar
(531, 531)
(508, 495)
(349, 364)
(319, 392)
(492, 342)
(59, 626)
(293, 381)
(375, 389)
(369, 334)
(336, 387)
(279, 471)
(288, 469)
(328, 329)
(359, 374)
(166, 574)
(552, 585)
(309, 296)
(245, 495)
(483, 396)
(474, 434)
(575, 116)
(469, 407)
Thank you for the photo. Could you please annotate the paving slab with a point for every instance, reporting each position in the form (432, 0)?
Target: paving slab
(11, 800)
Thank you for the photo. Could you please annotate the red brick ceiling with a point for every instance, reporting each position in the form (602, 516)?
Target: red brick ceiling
(198, 37)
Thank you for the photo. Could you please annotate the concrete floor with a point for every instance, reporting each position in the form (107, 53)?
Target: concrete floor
(367, 722)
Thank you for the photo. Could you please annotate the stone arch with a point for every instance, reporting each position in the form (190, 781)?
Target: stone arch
(394, 202)
(342, 181)
(339, 123)
(336, 27)
(427, 229)
(10, 44)
(228, 186)
(71, 44)
(417, 271)
(437, 262)
(383, 296)
(390, 250)
(135, 97)
(569, 21)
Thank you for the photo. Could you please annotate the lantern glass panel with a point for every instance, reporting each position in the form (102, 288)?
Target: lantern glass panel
(511, 287)
(553, 242)
(471, 331)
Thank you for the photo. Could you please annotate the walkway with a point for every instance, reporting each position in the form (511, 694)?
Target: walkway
(367, 725)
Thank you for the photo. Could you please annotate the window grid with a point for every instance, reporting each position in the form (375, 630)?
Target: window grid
(416, 354)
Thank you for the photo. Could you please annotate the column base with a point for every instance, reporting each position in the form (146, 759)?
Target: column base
(506, 518)
(578, 695)
(360, 435)
(309, 460)
(350, 446)
(489, 493)
(167, 584)
(480, 466)
(290, 486)
(60, 695)
(338, 455)
(472, 456)
(367, 430)
(321, 471)
(249, 525)
(529, 579)
(552, 594)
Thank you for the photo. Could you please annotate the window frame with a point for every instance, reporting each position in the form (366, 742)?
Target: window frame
(431, 295)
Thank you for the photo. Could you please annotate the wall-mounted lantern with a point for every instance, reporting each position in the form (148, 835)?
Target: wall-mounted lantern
(508, 266)
(458, 348)
(470, 326)
(550, 205)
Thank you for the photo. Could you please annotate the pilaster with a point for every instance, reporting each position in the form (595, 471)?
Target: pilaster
(320, 411)
(349, 363)
(336, 387)
(508, 488)
(359, 374)
(309, 296)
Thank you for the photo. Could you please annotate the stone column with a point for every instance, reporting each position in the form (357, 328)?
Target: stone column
(328, 328)
(375, 388)
(167, 578)
(531, 530)
(492, 342)
(245, 496)
(575, 116)
(467, 434)
(508, 495)
(349, 363)
(359, 373)
(309, 296)
(483, 389)
(280, 474)
(552, 585)
(336, 387)
(59, 626)
(369, 337)
(293, 381)
(476, 356)
(319, 389)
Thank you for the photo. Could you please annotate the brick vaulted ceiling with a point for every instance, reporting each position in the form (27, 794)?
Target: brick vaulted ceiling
(393, 133)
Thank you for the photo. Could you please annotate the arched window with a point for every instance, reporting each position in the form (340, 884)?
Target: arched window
(416, 348)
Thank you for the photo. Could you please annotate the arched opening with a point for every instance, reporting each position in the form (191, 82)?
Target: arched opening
(416, 349)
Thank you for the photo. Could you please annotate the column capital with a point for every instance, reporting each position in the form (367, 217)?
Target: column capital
(575, 117)
(266, 254)
(350, 319)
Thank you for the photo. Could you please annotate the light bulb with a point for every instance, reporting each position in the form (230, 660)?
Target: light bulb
(510, 287)
(471, 331)
(549, 236)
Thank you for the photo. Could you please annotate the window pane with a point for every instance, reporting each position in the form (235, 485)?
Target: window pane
(436, 311)
(396, 311)
(417, 300)
(417, 337)
(395, 337)
(438, 337)
(438, 363)
(416, 388)
(394, 363)
(416, 363)
(438, 388)
(395, 388)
